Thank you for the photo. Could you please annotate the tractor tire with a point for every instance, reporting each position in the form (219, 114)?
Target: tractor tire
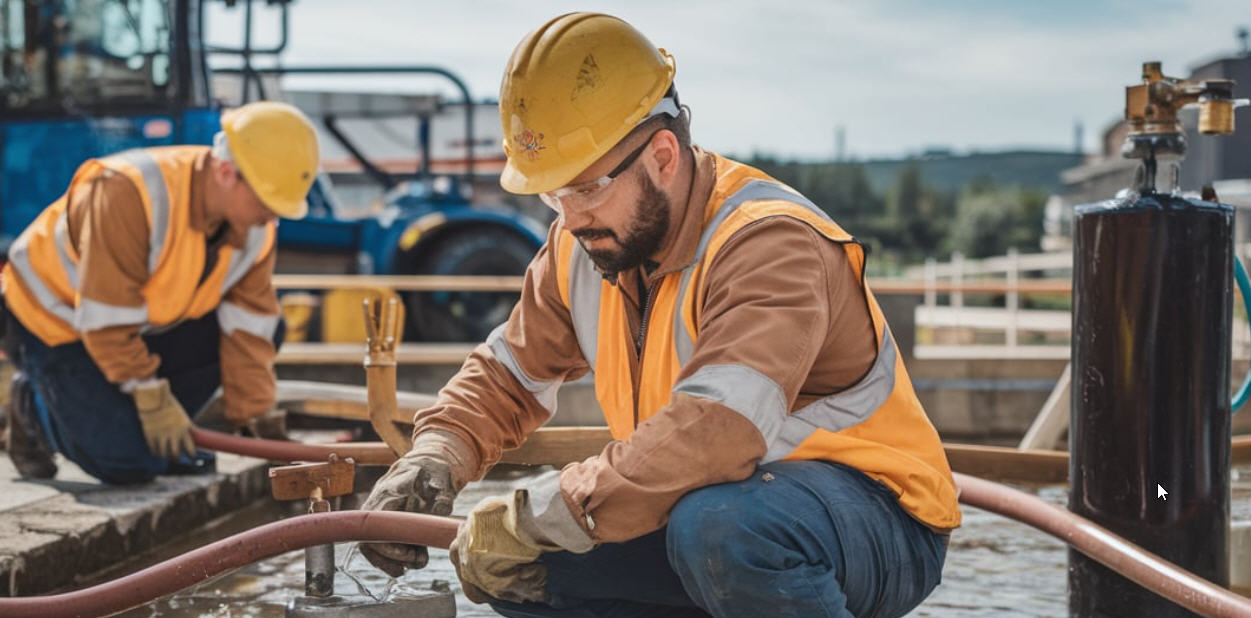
(467, 316)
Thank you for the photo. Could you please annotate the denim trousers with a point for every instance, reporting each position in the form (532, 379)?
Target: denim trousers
(92, 422)
(797, 539)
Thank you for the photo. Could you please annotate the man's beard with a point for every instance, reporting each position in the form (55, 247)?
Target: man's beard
(643, 238)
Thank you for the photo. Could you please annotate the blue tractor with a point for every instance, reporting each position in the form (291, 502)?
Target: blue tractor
(85, 78)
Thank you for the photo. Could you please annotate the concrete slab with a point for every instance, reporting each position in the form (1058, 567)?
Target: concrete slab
(55, 533)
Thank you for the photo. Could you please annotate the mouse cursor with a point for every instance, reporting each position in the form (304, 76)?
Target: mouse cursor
(1160, 493)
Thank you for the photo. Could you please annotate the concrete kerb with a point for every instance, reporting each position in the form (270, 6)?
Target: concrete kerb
(56, 534)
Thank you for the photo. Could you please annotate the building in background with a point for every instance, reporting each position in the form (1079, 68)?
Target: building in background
(1223, 162)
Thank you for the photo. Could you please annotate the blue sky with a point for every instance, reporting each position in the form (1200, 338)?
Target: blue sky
(779, 77)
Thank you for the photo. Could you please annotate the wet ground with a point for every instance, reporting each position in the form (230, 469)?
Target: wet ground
(995, 567)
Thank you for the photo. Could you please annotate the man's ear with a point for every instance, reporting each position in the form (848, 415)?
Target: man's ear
(667, 156)
(224, 173)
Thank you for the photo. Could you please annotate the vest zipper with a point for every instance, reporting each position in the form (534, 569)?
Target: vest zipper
(641, 343)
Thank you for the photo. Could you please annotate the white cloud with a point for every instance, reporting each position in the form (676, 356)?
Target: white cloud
(779, 76)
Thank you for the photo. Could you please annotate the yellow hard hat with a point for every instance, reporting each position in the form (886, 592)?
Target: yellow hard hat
(275, 148)
(572, 90)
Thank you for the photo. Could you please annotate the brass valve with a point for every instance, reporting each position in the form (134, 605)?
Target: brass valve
(1151, 107)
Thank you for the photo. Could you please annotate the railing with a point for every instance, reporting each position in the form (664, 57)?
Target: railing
(962, 277)
(960, 329)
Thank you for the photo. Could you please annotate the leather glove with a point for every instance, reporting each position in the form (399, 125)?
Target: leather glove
(494, 553)
(166, 427)
(424, 480)
(271, 425)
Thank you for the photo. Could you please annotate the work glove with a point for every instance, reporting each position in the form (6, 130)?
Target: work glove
(425, 480)
(271, 425)
(495, 552)
(166, 427)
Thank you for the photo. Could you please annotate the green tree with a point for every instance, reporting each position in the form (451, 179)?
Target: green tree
(990, 219)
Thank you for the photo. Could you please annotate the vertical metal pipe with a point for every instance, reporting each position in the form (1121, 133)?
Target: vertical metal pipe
(319, 559)
(1152, 299)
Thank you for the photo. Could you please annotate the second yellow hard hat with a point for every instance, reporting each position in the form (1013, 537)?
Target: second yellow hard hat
(573, 89)
(275, 148)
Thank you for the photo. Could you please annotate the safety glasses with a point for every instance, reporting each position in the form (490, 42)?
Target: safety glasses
(587, 196)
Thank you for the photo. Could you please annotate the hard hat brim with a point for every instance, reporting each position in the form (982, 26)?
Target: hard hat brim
(514, 181)
(290, 210)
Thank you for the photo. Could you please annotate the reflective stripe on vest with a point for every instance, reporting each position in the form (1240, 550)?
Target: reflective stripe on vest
(158, 196)
(877, 425)
(543, 390)
(584, 291)
(63, 248)
(232, 317)
(19, 257)
(241, 261)
(746, 389)
(171, 293)
(759, 399)
(753, 190)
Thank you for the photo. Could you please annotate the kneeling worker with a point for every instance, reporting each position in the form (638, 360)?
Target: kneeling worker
(770, 457)
(144, 288)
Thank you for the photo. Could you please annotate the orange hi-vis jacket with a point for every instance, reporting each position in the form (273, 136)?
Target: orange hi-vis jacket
(41, 280)
(876, 426)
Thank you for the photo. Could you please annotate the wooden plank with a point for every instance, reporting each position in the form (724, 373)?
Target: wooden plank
(344, 400)
(302, 353)
(1059, 260)
(428, 283)
(1002, 463)
(996, 352)
(558, 446)
(297, 482)
(561, 445)
(432, 283)
(996, 318)
(1027, 286)
(1053, 417)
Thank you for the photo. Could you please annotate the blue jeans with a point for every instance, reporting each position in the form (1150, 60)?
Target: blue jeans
(92, 422)
(797, 539)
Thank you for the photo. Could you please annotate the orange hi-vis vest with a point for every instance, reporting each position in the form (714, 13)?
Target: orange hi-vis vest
(41, 279)
(876, 426)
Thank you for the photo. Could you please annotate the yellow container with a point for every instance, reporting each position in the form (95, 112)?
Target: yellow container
(297, 311)
(343, 313)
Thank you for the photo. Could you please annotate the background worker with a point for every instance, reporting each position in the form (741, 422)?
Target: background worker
(770, 455)
(144, 288)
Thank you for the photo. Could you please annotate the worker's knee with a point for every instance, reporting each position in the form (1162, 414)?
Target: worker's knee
(700, 525)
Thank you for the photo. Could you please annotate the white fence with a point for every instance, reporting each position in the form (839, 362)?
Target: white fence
(958, 329)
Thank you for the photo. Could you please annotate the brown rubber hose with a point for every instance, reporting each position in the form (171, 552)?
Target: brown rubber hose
(234, 552)
(1115, 552)
(364, 453)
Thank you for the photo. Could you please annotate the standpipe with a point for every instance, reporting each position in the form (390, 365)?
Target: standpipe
(384, 321)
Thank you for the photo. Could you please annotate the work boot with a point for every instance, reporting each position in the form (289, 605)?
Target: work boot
(27, 447)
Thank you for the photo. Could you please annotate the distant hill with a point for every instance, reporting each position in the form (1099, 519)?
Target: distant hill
(950, 172)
